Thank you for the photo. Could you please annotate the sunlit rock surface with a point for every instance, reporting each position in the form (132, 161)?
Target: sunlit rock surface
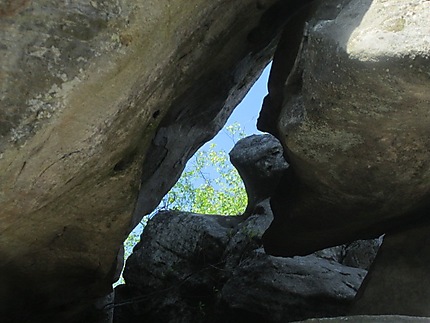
(91, 91)
(355, 126)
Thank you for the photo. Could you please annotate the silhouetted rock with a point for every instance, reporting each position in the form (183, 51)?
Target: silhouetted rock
(289, 289)
(260, 162)
(205, 268)
(398, 280)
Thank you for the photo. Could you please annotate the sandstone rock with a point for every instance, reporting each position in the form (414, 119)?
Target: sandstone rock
(355, 128)
(102, 103)
(91, 91)
(361, 253)
(177, 244)
(177, 265)
(260, 163)
(204, 268)
(247, 236)
(287, 289)
(398, 281)
(285, 76)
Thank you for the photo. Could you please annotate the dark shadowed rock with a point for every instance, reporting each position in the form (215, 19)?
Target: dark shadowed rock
(260, 162)
(176, 267)
(175, 245)
(358, 254)
(204, 268)
(398, 281)
(247, 236)
(361, 253)
(336, 254)
(288, 289)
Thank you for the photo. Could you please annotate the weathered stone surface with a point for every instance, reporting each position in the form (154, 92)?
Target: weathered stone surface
(91, 91)
(247, 236)
(398, 282)
(355, 128)
(176, 267)
(361, 253)
(103, 103)
(177, 244)
(203, 268)
(260, 163)
(358, 254)
(288, 289)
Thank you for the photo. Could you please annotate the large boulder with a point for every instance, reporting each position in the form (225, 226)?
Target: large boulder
(101, 101)
(206, 268)
(176, 267)
(260, 162)
(399, 282)
(279, 289)
(354, 124)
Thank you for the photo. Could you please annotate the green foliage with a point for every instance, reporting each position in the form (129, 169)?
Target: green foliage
(209, 183)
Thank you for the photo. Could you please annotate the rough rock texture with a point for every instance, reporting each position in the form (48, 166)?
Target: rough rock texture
(361, 253)
(354, 124)
(261, 164)
(102, 103)
(288, 289)
(247, 236)
(399, 281)
(203, 268)
(176, 266)
(99, 99)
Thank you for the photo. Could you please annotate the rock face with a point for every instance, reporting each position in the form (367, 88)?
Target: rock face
(203, 268)
(361, 253)
(399, 282)
(99, 101)
(102, 103)
(290, 289)
(261, 164)
(176, 266)
(354, 123)
(352, 113)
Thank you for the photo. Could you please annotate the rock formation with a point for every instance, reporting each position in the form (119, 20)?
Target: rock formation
(261, 165)
(398, 282)
(352, 113)
(103, 102)
(208, 268)
(354, 121)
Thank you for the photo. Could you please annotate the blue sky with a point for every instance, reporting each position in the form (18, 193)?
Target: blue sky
(246, 113)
